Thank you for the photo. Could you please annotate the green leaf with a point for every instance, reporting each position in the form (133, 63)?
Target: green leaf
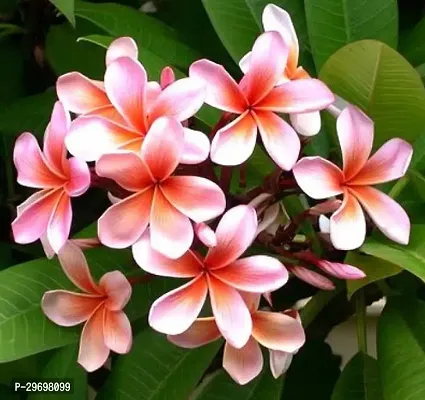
(401, 349)
(24, 330)
(360, 380)
(149, 33)
(63, 365)
(221, 386)
(156, 369)
(418, 182)
(410, 257)
(66, 7)
(374, 268)
(334, 23)
(412, 45)
(239, 22)
(380, 81)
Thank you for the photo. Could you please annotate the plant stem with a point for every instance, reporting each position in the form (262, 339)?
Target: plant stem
(398, 187)
(361, 322)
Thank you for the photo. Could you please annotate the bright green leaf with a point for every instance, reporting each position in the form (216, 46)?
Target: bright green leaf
(156, 369)
(24, 330)
(149, 33)
(359, 380)
(221, 386)
(374, 268)
(401, 349)
(63, 365)
(66, 7)
(376, 78)
(334, 23)
(410, 257)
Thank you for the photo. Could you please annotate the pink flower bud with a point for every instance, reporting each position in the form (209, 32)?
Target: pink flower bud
(326, 207)
(167, 77)
(312, 278)
(341, 271)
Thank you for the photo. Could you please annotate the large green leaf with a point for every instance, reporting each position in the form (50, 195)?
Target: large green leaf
(66, 7)
(334, 23)
(376, 78)
(238, 24)
(149, 33)
(412, 45)
(221, 386)
(401, 349)
(24, 330)
(374, 268)
(156, 369)
(63, 365)
(360, 380)
(410, 257)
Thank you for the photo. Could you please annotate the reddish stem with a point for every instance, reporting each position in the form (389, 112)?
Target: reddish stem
(140, 279)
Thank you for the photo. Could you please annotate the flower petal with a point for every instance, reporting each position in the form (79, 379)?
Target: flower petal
(279, 139)
(110, 113)
(355, 134)
(122, 47)
(194, 196)
(66, 308)
(93, 352)
(385, 212)
(245, 62)
(324, 224)
(80, 94)
(79, 177)
(348, 224)
(181, 100)
(125, 83)
(200, 333)
(233, 144)
(222, 91)
(196, 147)
(388, 163)
(312, 278)
(306, 124)
(280, 361)
(299, 96)
(150, 260)
(174, 312)
(230, 311)
(340, 270)
(32, 222)
(33, 170)
(163, 147)
(59, 224)
(171, 231)
(318, 178)
(54, 138)
(256, 274)
(205, 234)
(167, 77)
(277, 331)
(117, 288)
(267, 64)
(91, 137)
(122, 224)
(126, 169)
(235, 233)
(243, 364)
(74, 265)
(117, 331)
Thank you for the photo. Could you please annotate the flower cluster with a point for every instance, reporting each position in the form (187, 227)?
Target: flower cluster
(137, 134)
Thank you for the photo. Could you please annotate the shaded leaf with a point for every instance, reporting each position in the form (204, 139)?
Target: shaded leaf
(412, 45)
(66, 7)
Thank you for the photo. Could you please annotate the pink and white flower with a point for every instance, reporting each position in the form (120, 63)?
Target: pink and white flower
(167, 203)
(321, 179)
(220, 273)
(278, 20)
(47, 214)
(256, 101)
(281, 333)
(106, 327)
(118, 113)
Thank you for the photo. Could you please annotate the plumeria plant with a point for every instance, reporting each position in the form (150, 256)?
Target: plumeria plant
(195, 211)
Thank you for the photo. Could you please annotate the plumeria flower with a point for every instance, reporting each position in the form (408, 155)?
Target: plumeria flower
(99, 307)
(321, 179)
(276, 19)
(256, 101)
(117, 113)
(281, 333)
(47, 214)
(205, 234)
(166, 202)
(220, 273)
